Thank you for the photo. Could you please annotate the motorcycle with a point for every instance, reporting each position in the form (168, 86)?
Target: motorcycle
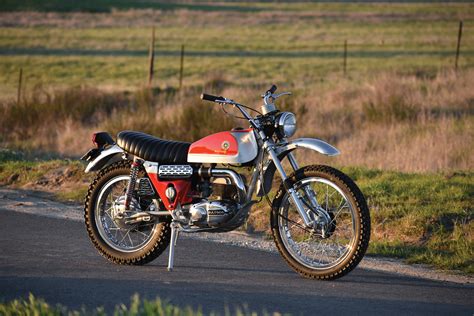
(147, 190)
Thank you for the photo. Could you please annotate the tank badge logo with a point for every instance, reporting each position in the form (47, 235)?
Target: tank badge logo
(225, 145)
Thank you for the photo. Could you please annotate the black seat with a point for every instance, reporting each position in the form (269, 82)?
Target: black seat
(152, 148)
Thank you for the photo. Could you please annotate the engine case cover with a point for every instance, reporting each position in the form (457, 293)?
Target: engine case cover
(234, 147)
(211, 213)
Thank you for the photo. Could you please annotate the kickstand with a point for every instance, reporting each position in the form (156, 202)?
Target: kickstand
(174, 238)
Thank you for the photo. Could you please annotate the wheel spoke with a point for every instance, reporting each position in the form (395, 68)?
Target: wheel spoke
(130, 238)
(124, 236)
(320, 246)
(108, 210)
(109, 216)
(295, 223)
(338, 212)
(144, 236)
(327, 197)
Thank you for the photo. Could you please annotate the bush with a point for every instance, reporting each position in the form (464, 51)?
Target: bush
(41, 108)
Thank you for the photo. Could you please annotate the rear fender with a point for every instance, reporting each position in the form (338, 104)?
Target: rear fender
(282, 151)
(107, 156)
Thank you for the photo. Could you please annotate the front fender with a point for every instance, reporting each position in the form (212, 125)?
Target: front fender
(283, 150)
(310, 143)
(104, 157)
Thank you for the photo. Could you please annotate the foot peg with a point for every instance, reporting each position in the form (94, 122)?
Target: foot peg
(174, 238)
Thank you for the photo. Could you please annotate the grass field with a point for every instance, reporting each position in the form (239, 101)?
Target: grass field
(282, 43)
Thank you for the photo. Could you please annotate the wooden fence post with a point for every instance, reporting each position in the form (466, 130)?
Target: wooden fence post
(151, 58)
(458, 46)
(344, 65)
(20, 80)
(181, 68)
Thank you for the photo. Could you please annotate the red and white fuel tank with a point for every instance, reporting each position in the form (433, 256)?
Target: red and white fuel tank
(236, 147)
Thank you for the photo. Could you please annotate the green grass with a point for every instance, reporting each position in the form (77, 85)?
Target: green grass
(424, 218)
(130, 72)
(299, 36)
(137, 307)
(17, 169)
(25, 171)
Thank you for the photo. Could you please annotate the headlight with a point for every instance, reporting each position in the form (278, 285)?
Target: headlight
(286, 124)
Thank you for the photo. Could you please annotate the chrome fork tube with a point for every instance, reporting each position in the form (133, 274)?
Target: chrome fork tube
(255, 175)
(292, 161)
(253, 182)
(293, 194)
(309, 191)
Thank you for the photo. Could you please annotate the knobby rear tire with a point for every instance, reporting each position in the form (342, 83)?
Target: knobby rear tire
(155, 247)
(362, 216)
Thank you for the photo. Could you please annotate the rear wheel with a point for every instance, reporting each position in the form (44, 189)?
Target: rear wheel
(336, 244)
(112, 234)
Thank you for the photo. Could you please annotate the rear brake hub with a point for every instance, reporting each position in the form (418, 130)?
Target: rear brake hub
(119, 214)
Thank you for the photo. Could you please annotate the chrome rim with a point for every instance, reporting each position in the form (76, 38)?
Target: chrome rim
(307, 245)
(124, 238)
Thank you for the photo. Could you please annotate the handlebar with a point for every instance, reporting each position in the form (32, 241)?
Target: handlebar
(211, 98)
(268, 98)
(219, 99)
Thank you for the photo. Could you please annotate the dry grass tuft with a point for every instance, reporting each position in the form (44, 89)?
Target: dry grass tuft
(398, 122)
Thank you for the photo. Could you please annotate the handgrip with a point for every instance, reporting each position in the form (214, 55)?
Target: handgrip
(212, 98)
(272, 89)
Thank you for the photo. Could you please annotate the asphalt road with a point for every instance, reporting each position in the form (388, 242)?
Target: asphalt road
(54, 259)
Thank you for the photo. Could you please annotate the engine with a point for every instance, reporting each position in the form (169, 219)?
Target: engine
(216, 208)
(211, 196)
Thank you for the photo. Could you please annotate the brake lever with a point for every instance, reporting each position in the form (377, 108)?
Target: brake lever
(226, 101)
(280, 95)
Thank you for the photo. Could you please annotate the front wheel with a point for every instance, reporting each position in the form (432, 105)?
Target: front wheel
(339, 236)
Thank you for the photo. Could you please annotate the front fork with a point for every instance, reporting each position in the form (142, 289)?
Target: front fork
(308, 190)
(309, 220)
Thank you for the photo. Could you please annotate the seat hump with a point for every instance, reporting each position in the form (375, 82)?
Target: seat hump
(154, 149)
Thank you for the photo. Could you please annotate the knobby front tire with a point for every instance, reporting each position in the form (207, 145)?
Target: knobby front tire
(311, 253)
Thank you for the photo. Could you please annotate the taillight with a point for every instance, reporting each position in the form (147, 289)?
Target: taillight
(94, 141)
(102, 139)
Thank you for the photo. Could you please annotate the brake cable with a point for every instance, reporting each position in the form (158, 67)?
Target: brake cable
(239, 117)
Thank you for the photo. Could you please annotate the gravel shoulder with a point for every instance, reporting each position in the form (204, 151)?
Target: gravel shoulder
(42, 203)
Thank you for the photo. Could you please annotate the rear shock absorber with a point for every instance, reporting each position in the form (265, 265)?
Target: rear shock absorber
(136, 164)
